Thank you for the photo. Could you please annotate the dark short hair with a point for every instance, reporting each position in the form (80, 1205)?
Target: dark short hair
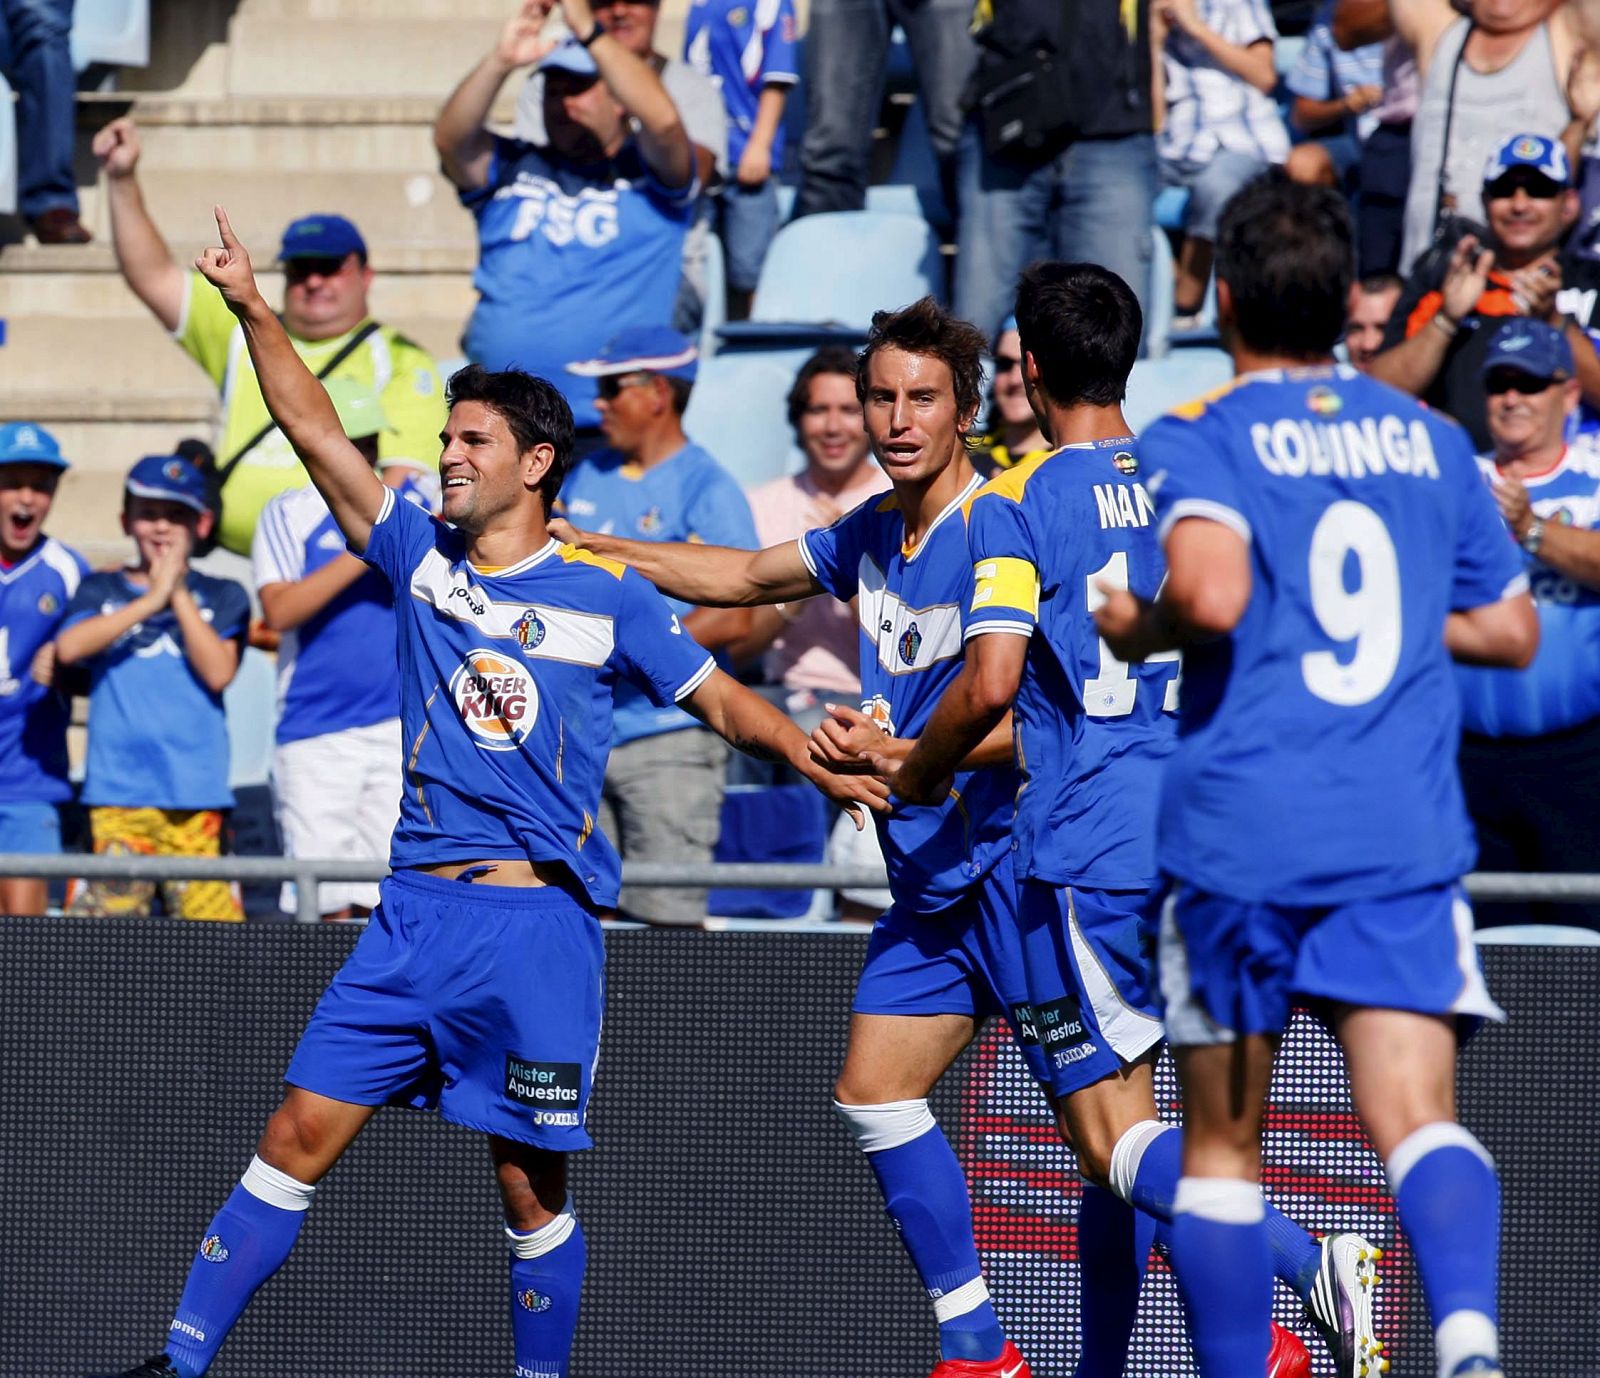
(838, 359)
(533, 409)
(1082, 324)
(1381, 282)
(680, 389)
(1286, 252)
(927, 328)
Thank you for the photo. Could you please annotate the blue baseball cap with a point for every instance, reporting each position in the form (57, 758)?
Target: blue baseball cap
(643, 349)
(321, 236)
(24, 442)
(1547, 157)
(569, 56)
(170, 479)
(1531, 347)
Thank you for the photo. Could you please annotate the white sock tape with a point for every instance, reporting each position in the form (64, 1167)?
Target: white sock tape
(267, 1183)
(546, 1238)
(1226, 1200)
(877, 1127)
(1129, 1153)
(967, 1297)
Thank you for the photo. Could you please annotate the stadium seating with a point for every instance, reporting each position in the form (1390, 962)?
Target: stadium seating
(110, 31)
(769, 823)
(1158, 385)
(738, 412)
(251, 703)
(714, 309)
(8, 150)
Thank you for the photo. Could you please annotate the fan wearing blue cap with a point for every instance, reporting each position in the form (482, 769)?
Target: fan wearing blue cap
(653, 483)
(160, 641)
(1439, 334)
(38, 576)
(579, 235)
(1531, 742)
(327, 281)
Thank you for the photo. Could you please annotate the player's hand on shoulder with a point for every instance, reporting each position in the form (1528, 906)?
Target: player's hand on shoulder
(117, 147)
(839, 742)
(565, 532)
(227, 268)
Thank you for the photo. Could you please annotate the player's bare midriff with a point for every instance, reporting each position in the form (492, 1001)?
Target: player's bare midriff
(501, 871)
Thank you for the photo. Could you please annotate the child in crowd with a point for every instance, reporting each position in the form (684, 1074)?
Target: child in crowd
(748, 49)
(161, 642)
(38, 577)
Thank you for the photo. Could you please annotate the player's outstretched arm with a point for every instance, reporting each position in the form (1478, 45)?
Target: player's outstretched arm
(967, 716)
(846, 739)
(1505, 633)
(710, 576)
(747, 722)
(292, 393)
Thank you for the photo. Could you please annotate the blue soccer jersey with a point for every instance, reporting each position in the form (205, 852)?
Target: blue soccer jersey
(158, 736)
(909, 609)
(567, 257)
(1561, 689)
(506, 683)
(743, 47)
(1092, 732)
(688, 497)
(34, 595)
(1317, 741)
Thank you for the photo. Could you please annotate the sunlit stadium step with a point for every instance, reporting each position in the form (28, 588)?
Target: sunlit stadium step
(274, 55)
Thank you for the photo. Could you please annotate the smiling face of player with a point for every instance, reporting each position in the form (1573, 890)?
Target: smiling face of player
(488, 478)
(158, 524)
(26, 492)
(911, 415)
(324, 297)
(582, 119)
(831, 431)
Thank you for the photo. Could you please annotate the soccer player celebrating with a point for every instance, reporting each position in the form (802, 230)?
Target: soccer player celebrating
(1093, 733)
(1329, 546)
(509, 647)
(945, 956)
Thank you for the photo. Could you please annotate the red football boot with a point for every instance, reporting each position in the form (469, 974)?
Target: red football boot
(1287, 1358)
(1011, 1364)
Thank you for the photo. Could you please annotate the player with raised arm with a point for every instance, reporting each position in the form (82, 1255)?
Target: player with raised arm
(945, 956)
(1329, 545)
(1092, 736)
(510, 645)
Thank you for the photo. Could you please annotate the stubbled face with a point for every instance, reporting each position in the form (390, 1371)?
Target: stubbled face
(1010, 393)
(1363, 329)
(1527, 413)
(1528, 214)
(26, 492)
(158, 524)
(630, 404)
(830, 428)
(911, 414)
(483, 472)
(581, 118)
(631, 23)
(324, 297)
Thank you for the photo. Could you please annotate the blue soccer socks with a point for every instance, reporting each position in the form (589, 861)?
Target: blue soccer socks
(1113, 1248)
(925, 1193)
(1223, 1262)
(245, 1244)
(1448, 1198)
(547, 1267)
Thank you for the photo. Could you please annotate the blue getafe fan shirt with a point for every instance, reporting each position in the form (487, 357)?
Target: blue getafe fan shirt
(158, 737)
(910, 604)
(567, 257)
(743, 46)
(34, 596)
(506, 683)
(1561, 689)
(688, 497)
(1316, 761)
(1092, 732)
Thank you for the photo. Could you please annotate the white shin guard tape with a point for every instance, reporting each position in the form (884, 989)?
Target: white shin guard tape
(877, 1127)
(1416, 1146)
(546, 1238)
(1226, 1200)
(1129, 1153)
(967, 1297)
(1464, 1335)
(266, 1183)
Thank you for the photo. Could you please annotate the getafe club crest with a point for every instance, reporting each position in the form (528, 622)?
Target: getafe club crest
(213, 1250)
(910, 644)
(529, 1300)
(529, 630)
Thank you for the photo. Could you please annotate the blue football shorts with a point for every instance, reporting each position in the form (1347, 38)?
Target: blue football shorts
(31, 826)
(1232, 967)
(1090, 963)
(482, 1001)
(964, 959)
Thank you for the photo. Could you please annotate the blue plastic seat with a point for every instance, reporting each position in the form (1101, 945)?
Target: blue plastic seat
(769, 823)
(738, 411)
(8, 150)
(111, 31)
(1158, 385)
(251, 703)
(1171, 205)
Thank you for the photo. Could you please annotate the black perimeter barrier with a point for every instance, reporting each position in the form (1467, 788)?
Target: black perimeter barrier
(733, 1230)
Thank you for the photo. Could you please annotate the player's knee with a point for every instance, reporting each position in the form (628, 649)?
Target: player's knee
(295, 1139)
(887, 1125)
(1092, 1146)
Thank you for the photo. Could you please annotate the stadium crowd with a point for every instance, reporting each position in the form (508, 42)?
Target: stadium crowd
(1463, 136)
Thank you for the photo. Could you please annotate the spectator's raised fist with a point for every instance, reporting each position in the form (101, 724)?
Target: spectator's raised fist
(228, 268)
(117, 147)
(523, 40)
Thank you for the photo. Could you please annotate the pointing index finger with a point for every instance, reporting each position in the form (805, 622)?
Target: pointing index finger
(224, 228)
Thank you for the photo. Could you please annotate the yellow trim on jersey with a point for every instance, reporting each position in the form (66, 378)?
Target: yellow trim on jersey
(1006, 582)
(1193, 411)
(889, 502)
(1008, 484)
(572, 555)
